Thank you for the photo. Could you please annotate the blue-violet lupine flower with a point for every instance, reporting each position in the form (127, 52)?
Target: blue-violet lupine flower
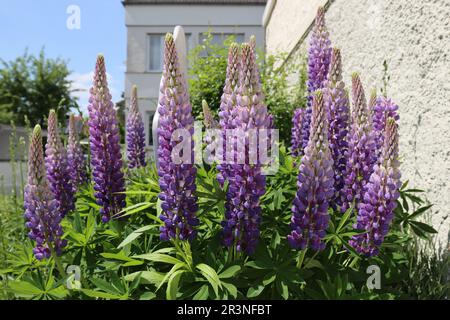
(376, 210)
(176, 180)
(41, 208)
(310, 217)
(75, 156)
(383, 108)
(361, 153)
(227, 104)
(58, 172)
(246, 182)
(135, 134)
(319, 58)
(104, 139)
(337, 106)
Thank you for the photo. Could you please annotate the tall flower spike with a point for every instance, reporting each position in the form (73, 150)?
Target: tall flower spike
(310, 217)
(246, 182)
(376, 210)
(176, 180)
(361, 154)
(104, 139)
(135, 134)
(58, 172)
(75, 157)
(41, 209)
(337, 106)
(228, 103)
(319, 57)
(383, 108)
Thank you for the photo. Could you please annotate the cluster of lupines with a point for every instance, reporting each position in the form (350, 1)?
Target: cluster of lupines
(104, 139)
(315, 184)
(75, 157)
(376, 209)
(176, 180)
(361, 154)
(319, 57)
(246, 181)
(41, 208)
(135, 134)
(58, 172)
(337, 106)
(227, 104)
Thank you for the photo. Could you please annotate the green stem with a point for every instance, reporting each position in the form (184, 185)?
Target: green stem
(310, 259)
(58, 263)
(301, 257)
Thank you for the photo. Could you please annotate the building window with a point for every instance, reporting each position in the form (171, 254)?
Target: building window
(155, 52)
(150, 127)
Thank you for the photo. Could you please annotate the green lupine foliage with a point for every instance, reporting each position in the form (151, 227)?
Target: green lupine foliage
(125, 259)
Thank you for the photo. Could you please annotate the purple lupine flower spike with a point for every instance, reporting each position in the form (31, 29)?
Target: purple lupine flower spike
(104, 139)
(228, 103)
(41, 208)
(376, 210)
(58, 172)
(135, 134)
(246, 182)
(319, 57)
(310, 217)
(297, 132)
(337, 105)
(361, 154)
(176, 180)
(75, 157)
(383, 109)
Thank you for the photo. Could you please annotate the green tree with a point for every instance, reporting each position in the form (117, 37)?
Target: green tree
(32, 85)
(208, 64)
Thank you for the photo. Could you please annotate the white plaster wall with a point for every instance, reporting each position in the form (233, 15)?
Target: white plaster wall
(414, 38)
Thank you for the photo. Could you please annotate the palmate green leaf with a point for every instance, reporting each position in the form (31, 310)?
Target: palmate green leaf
(172, 285)
(231, 288)
(422, 226)
(202, 293)
(146, 277)
(283, 289)
(418, 212)
(255, 290)
(24, 289)
(101, 294)
(159, 257)
(134, 235)
(210, 275)
(175, 268)
(344, 218)
(230, 272)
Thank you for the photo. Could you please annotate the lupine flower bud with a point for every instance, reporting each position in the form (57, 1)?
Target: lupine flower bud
(58, 172)
(41, 209)
(319, 57)
(310, 217)
(337, 106)
(376, 209)
(246, 182)
(297, 132)
(361, 154)
(176, 180)
(135, 134)
(227, 103)
(210, 123)
(106, 157)
(75, 157)
(383, 108)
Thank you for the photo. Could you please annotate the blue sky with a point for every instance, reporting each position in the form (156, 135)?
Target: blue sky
(35, 24)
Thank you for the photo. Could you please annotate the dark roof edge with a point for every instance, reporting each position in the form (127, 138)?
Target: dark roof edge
(222, 3)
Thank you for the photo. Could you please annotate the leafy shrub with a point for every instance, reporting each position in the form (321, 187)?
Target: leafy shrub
(125, 259)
